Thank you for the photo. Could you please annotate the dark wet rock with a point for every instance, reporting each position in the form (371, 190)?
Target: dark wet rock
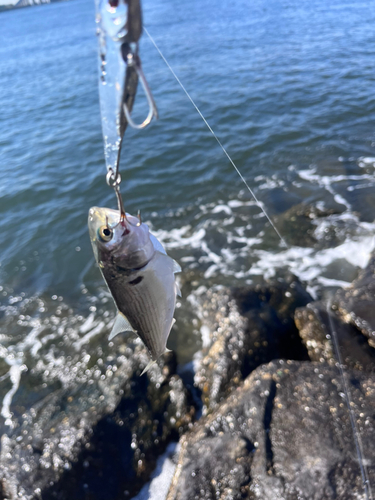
(317, 324)
(96, 438)
(350, 316)
(244, 328)
(356, 304)
(278, 200)
(363, 201)
(298, 224)
(284, 434)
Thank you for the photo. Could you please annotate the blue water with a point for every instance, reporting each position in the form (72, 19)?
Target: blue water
(288, 88)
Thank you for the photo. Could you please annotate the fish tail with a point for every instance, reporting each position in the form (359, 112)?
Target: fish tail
(152, 362)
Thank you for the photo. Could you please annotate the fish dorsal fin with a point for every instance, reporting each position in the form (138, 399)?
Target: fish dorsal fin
(176, 267)
(157, 245)
(121, 324)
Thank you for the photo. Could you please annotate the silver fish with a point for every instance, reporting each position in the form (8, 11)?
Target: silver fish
(139, 275)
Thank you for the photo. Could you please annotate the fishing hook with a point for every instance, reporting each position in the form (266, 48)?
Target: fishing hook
(128, 37)
(132, 60)
(120, 203)
(114, 180)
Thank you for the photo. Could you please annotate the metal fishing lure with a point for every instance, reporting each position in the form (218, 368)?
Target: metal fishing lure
(134, 264)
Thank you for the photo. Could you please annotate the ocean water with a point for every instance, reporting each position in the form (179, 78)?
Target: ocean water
(288, 88)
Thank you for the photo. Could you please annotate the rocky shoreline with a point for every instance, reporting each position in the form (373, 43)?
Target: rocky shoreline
(275, 421)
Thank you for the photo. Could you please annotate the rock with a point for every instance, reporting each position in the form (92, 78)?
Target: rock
(350, 315)
(99, 437)
(244, 328)
(356, 303)
(299, 224)
(317, 324)
(284, 434)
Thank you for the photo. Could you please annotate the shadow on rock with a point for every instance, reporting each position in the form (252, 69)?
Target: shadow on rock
(244, 328)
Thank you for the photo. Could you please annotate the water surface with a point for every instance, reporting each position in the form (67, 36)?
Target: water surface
(287, 87)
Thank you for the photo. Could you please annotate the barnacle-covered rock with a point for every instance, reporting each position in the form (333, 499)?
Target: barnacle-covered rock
(97, 438)
(244, 328)
(285, 433)
(349, 316)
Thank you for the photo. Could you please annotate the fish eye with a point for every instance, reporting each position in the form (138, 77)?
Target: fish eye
(105, 233)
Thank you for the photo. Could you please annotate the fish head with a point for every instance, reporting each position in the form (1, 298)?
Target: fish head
(124, 241)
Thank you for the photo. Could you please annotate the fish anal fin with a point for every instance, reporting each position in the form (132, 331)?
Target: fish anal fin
(121, 324)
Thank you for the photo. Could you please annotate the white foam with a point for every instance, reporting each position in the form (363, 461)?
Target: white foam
(240, 256)
(92, 333)
(15, 371)
(178, 237)
(341, 200)
(364, 161)
(87, 325)
(222, 208)
(308, 264)
(239, 203)
(211, 271)
(271, 184)
(332, 282)
(161, 478)
(360, 186)
(327, 181)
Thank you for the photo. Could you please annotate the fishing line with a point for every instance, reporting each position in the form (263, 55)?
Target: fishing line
(258, 202)
(356, 434)
(348, 397)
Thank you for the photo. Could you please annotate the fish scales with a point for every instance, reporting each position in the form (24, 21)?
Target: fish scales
(133, 299)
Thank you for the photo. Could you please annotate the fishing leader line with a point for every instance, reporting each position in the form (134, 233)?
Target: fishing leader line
(348, 397)
(258, 202)
(355, 431)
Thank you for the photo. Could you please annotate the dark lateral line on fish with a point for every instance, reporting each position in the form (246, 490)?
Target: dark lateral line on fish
(136, 281)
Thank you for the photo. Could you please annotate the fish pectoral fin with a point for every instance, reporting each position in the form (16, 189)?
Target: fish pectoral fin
(121, 324)
(178, 291)
(176, 267)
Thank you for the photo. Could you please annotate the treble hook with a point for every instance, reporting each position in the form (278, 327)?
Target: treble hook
(120, 203)
(116, 187)
(114, 180)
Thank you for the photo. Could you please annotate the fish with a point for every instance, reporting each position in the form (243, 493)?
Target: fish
(140, 277)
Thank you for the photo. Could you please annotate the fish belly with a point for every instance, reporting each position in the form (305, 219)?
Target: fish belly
(147, 297)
